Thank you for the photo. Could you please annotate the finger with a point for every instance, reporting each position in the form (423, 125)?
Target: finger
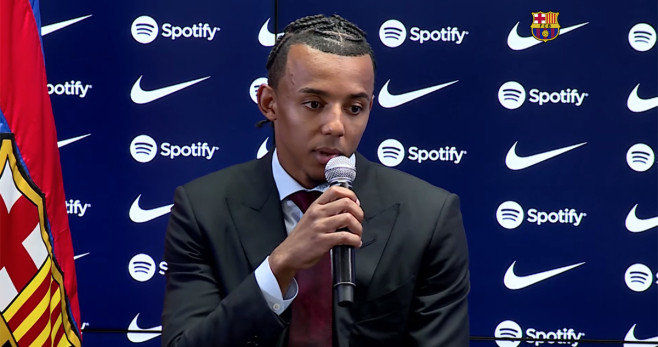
(334, 193)
(342, 205)
(343, 221)
(344, 238)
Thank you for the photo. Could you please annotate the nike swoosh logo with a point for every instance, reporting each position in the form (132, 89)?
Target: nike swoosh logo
(76, 257)
(514, 282)
(144, 334)
(47, 29)
(266, 37)
(516, 162)
(63, 143)
(262, 150)
(518, 42)
(141, 96)
(388, 100)
(630, 336)
(139, 215)
(637, 225)
(637, 104)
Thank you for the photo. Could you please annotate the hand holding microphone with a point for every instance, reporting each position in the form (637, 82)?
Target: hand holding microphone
(340, 171)
(333, 219)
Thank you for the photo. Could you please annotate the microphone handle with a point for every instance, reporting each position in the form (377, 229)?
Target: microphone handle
(344, 279)
(343, 275)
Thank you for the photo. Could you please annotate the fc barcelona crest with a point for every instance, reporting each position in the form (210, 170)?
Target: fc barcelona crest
(545, 26)
(34, 310)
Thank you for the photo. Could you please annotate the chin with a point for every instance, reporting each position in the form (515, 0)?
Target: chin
(318, 177)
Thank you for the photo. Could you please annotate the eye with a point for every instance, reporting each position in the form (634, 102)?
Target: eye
(356, 109)
(314, 105)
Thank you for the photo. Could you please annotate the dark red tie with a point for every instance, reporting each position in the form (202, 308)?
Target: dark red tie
(312, 308)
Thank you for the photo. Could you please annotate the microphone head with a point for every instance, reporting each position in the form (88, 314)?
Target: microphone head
(340, 168)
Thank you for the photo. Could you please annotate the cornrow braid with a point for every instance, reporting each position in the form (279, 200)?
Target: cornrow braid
(334, 35)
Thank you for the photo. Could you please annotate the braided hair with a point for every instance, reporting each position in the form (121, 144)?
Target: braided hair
(334, 35)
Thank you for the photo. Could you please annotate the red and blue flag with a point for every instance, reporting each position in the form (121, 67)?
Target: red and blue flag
(38, 290)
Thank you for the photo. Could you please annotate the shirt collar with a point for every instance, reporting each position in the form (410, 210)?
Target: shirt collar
(287, 185)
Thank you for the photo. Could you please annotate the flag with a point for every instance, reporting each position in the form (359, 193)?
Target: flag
(38, 291)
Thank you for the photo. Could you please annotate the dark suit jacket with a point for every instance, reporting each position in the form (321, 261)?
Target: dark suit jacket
(411, 271)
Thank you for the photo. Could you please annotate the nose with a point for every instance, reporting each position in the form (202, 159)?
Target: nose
(333, 122)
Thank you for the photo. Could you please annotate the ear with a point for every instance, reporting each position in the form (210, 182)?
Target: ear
(267, 101)
(371, 101)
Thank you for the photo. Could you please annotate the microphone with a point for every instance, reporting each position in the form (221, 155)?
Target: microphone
(340, 171)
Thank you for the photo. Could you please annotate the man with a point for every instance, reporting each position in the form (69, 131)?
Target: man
(239, 248)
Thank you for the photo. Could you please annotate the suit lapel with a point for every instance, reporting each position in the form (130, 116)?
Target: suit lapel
(257, 214)
(380, 217)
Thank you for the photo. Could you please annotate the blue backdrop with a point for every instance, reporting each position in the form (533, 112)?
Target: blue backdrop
(550, 145)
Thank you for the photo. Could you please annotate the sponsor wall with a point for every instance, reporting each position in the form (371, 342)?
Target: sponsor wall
(550, 145)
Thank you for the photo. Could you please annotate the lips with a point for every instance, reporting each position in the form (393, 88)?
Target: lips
(323, 155)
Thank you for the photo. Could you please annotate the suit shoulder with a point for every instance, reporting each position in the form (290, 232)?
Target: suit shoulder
(402, 183)
(224, 180)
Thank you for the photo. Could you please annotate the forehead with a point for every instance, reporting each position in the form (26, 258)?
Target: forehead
(309, 67)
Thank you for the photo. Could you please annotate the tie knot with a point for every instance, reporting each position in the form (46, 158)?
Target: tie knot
(303, 198)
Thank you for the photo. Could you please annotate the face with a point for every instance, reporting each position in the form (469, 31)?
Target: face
(319, 109)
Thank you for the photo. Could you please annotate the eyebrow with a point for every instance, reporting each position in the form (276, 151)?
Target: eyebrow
(324, 93)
